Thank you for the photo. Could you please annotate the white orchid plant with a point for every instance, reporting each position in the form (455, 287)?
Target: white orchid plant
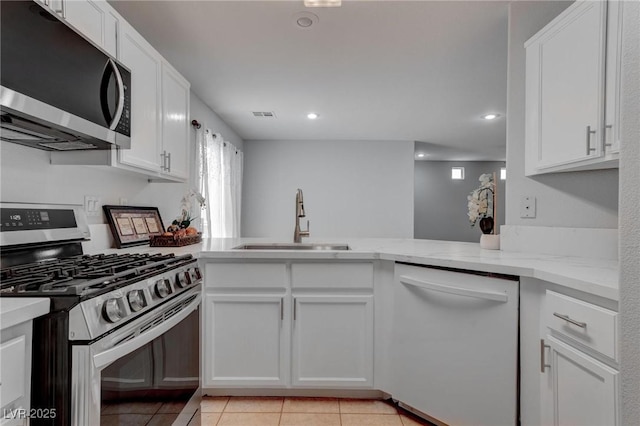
(480, 200)
(185, 218)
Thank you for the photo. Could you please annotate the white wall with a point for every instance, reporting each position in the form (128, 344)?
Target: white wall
(440, 203)
(351, 188)
(579, 200)
(26, 175)
(630, 217)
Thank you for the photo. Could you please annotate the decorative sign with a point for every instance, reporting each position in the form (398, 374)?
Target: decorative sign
(133, 226)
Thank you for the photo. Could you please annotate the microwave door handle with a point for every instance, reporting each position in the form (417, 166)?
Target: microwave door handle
(120, 108)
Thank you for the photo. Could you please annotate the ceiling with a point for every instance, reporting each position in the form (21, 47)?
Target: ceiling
(373, 70)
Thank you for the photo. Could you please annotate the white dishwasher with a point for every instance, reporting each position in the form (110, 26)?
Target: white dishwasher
(455, 345)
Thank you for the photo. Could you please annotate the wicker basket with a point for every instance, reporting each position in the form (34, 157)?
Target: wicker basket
(174, 241)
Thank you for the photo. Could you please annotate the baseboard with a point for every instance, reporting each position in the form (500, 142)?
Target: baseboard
(318, 393)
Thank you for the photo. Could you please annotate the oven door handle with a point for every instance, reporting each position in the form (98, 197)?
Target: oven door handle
(105, 358)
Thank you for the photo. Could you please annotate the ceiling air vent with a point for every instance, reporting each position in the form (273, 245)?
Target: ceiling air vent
(267, 114)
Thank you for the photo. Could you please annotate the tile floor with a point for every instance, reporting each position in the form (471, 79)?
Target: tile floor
(267, 411)
(140, 413)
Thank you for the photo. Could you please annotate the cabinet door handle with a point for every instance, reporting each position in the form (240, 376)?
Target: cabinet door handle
(163, 167)
(605, 144)
(542, 348)
(168, 162)
(589, 133)
(570, 320)
(60, 11)
(281, 309)
(294, 308)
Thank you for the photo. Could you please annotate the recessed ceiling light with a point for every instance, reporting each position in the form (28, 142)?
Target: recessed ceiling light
(323, 3)
(491, 116)
(312, 116)
(305, 20)
(421, 155)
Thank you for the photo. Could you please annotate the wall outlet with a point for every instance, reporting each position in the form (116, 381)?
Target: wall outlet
(528, 207)
(92, 205)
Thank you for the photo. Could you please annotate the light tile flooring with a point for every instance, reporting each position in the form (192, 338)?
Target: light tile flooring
(266, 411)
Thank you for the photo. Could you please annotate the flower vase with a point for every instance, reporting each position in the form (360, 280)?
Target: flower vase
(488, 240)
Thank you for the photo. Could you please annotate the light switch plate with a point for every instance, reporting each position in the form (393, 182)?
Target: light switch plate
(528, 207)
(92, 205)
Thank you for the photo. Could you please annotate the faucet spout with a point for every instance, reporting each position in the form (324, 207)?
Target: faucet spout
(298, 233)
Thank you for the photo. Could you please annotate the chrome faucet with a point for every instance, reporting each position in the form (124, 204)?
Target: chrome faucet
(298, 233)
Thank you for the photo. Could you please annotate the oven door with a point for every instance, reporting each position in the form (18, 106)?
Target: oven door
(146, 368)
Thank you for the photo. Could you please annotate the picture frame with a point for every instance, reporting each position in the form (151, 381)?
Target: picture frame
(133, 226)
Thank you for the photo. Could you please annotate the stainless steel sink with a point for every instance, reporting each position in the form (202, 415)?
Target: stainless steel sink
(292, 246)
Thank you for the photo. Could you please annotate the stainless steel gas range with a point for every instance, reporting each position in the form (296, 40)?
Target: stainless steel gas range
(123, 328)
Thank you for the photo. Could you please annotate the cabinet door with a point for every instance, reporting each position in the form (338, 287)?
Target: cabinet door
(13, 359)
(577, 389)
(565, 87)
(614, 74)
(333, 341)
(95, 20)
(145, 65)
(245, 340)
(175, 123)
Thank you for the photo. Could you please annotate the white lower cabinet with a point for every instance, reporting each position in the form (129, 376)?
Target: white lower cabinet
(578, 368)
(332, 341)
(576, 389)
(262, 330)
(245, 340)
(15, 374)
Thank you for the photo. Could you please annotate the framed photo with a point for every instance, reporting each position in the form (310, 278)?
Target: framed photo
(133, 226)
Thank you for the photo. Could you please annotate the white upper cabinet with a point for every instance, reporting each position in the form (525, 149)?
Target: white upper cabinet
(160, 96)
(175, 123)
(613, 77)
(146, 67)
(571, 75)
(96, 20)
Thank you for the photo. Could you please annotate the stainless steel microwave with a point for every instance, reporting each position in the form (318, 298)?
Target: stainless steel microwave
(58, 91)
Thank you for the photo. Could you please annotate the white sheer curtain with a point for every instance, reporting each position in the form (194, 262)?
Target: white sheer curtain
(220, 182)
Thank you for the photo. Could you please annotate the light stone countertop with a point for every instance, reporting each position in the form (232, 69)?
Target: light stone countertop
(16, 310)
(594, 276)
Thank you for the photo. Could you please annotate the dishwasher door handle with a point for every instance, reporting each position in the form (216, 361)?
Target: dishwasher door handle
(458, 291)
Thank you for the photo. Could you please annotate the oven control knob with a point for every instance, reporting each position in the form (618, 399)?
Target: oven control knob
(136, 300)
(183, 279)
(195, 274)
(112, 310)
(163, 288)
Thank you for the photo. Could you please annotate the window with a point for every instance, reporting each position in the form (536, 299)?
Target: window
(457, 173)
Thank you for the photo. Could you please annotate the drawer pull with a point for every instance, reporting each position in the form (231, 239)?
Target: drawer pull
(572, 321)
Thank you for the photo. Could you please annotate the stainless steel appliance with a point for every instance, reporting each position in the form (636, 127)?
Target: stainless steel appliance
(122, 327)
(58, 90)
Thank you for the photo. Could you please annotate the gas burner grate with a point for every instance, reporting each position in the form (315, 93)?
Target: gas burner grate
(79, 275)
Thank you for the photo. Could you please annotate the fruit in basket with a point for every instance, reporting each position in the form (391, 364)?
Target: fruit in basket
(192, 231)
(181, 233)
(167, 234)
(173, 228)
